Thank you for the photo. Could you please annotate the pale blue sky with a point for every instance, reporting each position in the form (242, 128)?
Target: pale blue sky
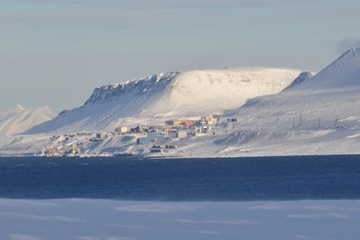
(55, 52)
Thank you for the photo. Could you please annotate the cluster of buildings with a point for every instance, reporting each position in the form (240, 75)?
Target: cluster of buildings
(70, 149)
(174, 128)
(158, 135)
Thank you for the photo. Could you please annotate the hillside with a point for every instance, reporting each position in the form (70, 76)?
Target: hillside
(318, 115)
(169, 95)
(19, 119)
(331, 94)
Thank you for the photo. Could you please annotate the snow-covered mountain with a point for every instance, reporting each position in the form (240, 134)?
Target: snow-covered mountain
(301, 78)
(333, 93)
(318, 115)
(169, 95)
(19, 119)
(280, 116)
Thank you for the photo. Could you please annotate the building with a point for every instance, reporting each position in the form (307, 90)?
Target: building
(181, 134)
(121, 129)
(199, 134)
(208, 117)
(157, 150)
(188, 123)
(61, 138)
(150, 139)
(141, 128)
(201, 122)
(101, 135)
(212, 121)
(171, 146)
(75, 149)
(173, 122)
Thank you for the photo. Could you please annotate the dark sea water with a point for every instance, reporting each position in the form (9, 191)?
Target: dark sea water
(205, 179)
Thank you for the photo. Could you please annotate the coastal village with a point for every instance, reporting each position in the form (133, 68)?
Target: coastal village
(157, 137)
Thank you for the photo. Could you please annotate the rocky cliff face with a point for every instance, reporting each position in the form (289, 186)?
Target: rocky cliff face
(113, 92)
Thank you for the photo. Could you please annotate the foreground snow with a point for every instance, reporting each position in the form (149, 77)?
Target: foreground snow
(86, 219)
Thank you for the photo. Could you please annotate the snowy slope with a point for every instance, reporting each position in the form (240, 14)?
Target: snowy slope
(320, 115)
(331, 94)
(169, 95)
(19, 119)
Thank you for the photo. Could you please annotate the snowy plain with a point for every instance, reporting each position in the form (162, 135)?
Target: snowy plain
(84, 219)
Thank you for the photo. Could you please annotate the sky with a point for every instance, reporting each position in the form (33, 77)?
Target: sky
(55, 52)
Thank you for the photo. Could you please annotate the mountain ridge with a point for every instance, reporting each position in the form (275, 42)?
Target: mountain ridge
(19, 119)
(329, 95)
(170, 95)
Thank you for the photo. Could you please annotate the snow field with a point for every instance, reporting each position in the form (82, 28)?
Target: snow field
(84, 219)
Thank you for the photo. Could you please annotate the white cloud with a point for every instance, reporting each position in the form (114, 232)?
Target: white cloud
(210, 232)
(152, 208)
(22, 237)
(120, 238)
(88, 238)
(232, 222)
(319, 216)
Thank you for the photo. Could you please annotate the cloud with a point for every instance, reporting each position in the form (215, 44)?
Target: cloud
(152, 208)
(319, 216)
(120, 238)
(36, 203)
(22, 237)
(346, 44)
(268, 207)
(22, 203)
(332, 208)
(143, 4)
(210, 232)
(88, 238)
(132, 227)
(232, 222)
(187, 221)
(44, 218)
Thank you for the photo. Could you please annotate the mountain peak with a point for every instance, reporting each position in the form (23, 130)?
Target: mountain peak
(304, 76)
(19, 119)
(343, 73)
(19, 107)
(349, 54)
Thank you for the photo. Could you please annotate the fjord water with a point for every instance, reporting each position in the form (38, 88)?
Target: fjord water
(204, 179)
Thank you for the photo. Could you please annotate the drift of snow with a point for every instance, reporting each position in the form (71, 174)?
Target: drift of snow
(84, 219)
